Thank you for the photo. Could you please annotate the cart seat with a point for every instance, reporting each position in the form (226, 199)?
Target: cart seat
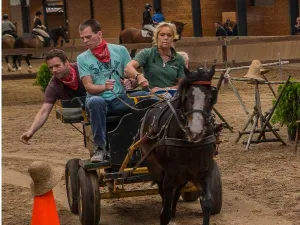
(69, 115)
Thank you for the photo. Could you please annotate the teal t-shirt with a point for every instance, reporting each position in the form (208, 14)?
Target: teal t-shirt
(158, 73)
(89, 65)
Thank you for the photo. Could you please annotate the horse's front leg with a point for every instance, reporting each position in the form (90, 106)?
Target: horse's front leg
(207, 200)
(8, 64)
(168, 190)
(175, 200)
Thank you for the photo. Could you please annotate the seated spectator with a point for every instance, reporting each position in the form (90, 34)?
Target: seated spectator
(64, 84)
(163, 66)
(101, 68)
(297, 27)
(228, 28)
(220, 31)
(158, 16)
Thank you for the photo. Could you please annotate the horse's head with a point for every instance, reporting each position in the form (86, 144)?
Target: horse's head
(197, 98)
(179, 28)
(64, 33)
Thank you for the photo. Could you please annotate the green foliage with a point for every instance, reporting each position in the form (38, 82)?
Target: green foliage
(43, 77)
(288, 109)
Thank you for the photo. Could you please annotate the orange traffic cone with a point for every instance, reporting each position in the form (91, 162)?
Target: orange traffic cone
(44, 210)
(44, 178)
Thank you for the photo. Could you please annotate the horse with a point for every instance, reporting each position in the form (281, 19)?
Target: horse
(8, 43)
(179, 144)
(57, 32)
(29, 40)
(132, 35)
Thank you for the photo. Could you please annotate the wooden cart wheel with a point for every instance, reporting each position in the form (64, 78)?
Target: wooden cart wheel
(88, 197)
(71, 180)
(216, 190)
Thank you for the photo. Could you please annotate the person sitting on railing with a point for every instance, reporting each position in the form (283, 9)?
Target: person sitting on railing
(101, 68)
(163, 66)
(65, 84)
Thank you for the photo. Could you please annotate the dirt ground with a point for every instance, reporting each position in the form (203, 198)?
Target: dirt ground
(260, 186)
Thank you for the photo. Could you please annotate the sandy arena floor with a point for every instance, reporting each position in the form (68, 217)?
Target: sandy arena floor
(260, 187)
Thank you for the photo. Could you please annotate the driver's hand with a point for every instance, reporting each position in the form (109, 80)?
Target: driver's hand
(142, 81)
(109, 85)
(25, 137)
(127, 84)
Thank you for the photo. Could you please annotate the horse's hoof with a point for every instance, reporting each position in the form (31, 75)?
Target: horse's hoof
(13, 70)
(19, 69)
(30, 67)
(29, 71)
(172, 222)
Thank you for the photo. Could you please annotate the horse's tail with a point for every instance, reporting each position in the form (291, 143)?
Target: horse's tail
(18, 43)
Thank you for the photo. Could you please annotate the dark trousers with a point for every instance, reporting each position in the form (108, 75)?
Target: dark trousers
(11, 33)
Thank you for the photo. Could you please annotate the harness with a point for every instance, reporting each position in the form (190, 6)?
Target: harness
(159, 132)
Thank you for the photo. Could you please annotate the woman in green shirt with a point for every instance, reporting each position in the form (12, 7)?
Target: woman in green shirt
(163, 66)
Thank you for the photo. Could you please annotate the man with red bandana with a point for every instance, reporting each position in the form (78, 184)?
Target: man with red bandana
(101, 69)
(65, 84)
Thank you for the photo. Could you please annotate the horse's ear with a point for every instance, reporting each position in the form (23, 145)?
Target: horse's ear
(186, 71)
(212, 71)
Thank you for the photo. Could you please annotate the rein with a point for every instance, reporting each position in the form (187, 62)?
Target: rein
(164, 140)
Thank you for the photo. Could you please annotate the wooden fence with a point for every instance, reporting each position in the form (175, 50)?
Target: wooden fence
(224, 52)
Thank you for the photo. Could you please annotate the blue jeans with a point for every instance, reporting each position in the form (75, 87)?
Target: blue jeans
(98, 109)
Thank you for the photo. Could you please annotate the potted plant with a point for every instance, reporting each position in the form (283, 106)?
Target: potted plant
(287, 111)
(43, 77)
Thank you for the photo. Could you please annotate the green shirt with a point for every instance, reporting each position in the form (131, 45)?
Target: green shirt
(158, 73)
(89, 65)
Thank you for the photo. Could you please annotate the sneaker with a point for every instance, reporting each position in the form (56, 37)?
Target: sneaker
(106, 155)
(98, 156)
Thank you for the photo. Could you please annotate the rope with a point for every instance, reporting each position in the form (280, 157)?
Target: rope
(135, 108)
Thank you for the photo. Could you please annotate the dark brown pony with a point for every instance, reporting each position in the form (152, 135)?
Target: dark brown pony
(8, 43)
(133, 35)
(181, 145)
(28, 40)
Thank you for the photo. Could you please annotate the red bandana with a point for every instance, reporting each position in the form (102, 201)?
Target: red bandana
(102, 52)
(71, 80)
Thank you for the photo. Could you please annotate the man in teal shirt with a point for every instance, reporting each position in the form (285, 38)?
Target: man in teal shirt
(101, 69)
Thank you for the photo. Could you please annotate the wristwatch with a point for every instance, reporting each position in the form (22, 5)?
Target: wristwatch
(136, 75)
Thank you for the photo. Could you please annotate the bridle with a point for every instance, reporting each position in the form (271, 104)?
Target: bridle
(181, 116)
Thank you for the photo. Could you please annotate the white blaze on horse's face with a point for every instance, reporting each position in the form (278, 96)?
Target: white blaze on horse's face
(196, 125)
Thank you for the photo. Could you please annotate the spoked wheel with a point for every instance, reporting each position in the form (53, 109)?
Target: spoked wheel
(216, 190)
(88, 197)
(71, 180)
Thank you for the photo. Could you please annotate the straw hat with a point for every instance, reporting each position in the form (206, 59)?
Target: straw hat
(44, 177)
(255, 71)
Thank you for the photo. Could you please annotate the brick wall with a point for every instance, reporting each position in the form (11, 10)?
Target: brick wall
(180, 11)
(263, 20)
(5, 7)
(55, 19)
(107, 12)
(78, 11)
(269, 20)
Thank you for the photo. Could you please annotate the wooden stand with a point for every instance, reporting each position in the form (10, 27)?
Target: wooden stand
(260, 122)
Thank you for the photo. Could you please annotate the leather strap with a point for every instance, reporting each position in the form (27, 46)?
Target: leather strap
(186, 144)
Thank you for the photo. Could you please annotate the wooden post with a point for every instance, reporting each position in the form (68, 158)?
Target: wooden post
(273, 109)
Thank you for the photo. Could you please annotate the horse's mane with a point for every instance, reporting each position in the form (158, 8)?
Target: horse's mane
(199, 74)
